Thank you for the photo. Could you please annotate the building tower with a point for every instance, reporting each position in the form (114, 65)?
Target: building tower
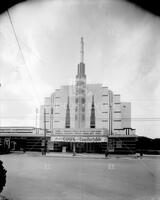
(67, 122)
(80, 97)
(92, 118)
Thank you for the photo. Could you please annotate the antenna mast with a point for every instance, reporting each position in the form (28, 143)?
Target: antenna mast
(82, 50)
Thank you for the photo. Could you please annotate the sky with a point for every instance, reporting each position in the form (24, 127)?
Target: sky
(122, 51)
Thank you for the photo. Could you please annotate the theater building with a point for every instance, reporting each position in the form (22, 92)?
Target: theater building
(82, 117)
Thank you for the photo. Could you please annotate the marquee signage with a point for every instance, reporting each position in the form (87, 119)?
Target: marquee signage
(84, 139)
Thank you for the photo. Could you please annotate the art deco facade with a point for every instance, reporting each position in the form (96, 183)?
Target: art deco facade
(77, 118)
(85, 106)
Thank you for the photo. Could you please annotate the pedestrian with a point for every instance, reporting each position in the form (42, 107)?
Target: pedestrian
(106, 153)
(24, 149)
(141, 153)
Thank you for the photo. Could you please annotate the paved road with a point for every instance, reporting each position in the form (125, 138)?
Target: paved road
(36, 177)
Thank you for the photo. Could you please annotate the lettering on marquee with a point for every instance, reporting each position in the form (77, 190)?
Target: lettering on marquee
(84, 139)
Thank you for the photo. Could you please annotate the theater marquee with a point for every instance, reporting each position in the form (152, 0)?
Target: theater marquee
(83, 139)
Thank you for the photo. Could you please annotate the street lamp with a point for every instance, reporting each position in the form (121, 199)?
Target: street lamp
(44, 149)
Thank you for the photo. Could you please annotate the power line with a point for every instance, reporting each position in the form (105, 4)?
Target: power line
(63, 118)
(19, 46)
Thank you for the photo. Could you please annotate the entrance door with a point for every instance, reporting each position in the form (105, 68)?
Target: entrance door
(64, 149)
(89, 147)
(80, 147)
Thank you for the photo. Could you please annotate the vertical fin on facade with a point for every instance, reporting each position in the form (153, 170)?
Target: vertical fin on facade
(67, 123)
(92, 118)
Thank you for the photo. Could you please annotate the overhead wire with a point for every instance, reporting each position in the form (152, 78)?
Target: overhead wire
(24, 61)
(35, 92)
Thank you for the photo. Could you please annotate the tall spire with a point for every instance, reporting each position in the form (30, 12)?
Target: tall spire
(82, 51)
(81, 65)
(92, 101)
(80, 97)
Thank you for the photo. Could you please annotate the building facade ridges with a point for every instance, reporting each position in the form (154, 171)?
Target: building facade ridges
(67, 121)
(107, 111)
(92, 118)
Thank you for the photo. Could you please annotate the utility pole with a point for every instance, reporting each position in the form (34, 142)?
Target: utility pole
(44, 150)
(36, 119)
(51, 120)
(74, 148)
(110, 113)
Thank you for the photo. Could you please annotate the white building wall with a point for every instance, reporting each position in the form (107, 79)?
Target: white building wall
(121, 111)
(88, 108)
(116, 112)
(124, 131)
(41, 116)
(47, 112)
(92, 89)
(47, 109)
(126, 114)
(101, 105)
(60, 101)
(103, 108)
(59, 108)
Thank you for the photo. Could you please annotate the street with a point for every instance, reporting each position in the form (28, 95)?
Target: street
(36, 177)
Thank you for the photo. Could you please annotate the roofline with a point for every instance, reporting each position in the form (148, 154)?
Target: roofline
(17, 127)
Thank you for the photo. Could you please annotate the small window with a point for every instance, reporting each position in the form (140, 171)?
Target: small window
(83, 117)
(76, 109)
(119, 144)
(117, 120)
(83, 100)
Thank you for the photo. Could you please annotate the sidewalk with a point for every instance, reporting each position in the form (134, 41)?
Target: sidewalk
(86, 155)
(90, 155)
(78, 155)
(100, 156)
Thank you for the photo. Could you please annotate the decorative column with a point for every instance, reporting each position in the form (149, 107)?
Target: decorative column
(92, 118)
(67, 123)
